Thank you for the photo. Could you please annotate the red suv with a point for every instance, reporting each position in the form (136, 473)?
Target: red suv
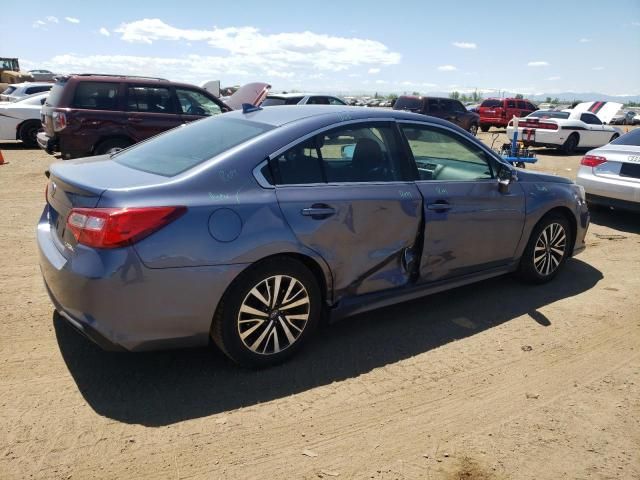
(497, 112)
(96, 114)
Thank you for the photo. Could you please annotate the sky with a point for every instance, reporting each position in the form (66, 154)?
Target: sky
(342, 47)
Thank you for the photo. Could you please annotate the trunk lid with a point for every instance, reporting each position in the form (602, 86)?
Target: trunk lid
(81, 183)
(605, 111)
(623, 161)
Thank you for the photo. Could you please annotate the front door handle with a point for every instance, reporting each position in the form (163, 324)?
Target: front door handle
(439, 206)
(318, 211)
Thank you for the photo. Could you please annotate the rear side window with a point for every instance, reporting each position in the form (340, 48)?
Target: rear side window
(511, 104)
(185, 147)
(32, 90)
(493, 103)
(272, 102)
(96, 95)
(149, 99)
(521, 105)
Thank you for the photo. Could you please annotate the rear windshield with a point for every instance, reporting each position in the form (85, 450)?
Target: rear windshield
(492, 103)
(9, 90)
(631, 138)
(548, 114)
(185, 147)
(408, 103)
(273, 101)
(53, 99)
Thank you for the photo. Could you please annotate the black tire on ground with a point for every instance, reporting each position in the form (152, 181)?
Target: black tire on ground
(29, 131)
(473, 129)
(111, 145)
(570, 144)
(260, 330)
(484, 128)
(548, 248)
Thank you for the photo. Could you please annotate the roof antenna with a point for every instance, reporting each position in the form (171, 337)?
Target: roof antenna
(248, 108)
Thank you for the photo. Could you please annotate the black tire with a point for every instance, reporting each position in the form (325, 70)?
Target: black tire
(111, 145)
(275, 328)
(29, 132)
(484, 128)
(570, 144)
(473, 129)
(533, 266)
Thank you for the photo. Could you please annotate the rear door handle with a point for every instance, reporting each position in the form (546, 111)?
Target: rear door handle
(439, 206)
(318, 211)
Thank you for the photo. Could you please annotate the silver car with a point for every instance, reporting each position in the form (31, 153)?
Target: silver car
(610, 174)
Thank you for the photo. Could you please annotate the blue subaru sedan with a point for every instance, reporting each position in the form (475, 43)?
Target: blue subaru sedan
(251, 227)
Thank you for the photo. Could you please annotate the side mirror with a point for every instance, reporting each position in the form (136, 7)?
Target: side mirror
(506, 175)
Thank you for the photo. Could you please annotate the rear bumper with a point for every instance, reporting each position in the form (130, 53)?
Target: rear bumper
(613, 203)
(47, 143)
(117, 302)
(542, 138)
(609, 191)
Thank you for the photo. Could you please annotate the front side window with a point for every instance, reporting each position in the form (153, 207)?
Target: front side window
(441, 155)
(196, 103)
(355, 153)
(335, 101)
(149, 99)
(433, 106)
(96, 95)
(590, 119)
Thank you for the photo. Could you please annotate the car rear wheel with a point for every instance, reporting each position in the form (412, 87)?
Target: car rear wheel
(111, 146)
(570, 144)
(29, 132)
(268, 313)
(547, 250)
(473, 129)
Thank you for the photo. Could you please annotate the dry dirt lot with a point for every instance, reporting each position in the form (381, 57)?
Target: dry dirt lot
(493, 381)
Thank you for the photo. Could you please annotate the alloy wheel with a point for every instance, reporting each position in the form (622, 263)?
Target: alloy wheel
(273, 315)
(549, 249)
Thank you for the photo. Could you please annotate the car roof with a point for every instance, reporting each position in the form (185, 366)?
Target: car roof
(293, 95)
(333, 114)
(90, 77)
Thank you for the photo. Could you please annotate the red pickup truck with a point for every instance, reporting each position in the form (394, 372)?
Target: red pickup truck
(497, 112)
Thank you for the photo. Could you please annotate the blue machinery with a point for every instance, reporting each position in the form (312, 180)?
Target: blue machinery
(515, 154)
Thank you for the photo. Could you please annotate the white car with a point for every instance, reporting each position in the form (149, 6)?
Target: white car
(610, 175)
(21, 120)
(584, 126)
(16, 91)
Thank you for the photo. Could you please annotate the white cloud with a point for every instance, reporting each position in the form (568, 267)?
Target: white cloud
(52, 19)
(447, 68)
(72, 19)
(282, 50)
(38, 24)
(354, 75)
(584, 40)
(105, 32)
(429, 85)
(538, 63)
(374, 70)
(597, 68)
(381, 82)
(553, 78)
(468, 45)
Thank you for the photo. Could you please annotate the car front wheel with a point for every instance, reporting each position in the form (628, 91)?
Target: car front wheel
(268, 313)
(548, 249)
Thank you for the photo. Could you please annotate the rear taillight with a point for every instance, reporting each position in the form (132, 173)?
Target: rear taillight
(117, 227)
(538, 125)
(59, 121)
(592, 160)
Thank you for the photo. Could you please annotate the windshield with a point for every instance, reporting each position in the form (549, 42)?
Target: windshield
(631, 138)
(55, 94)
(492, 103)
(549, 114)
(185, 147)
(408, 103)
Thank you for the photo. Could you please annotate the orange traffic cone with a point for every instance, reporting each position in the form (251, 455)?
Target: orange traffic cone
(1, 158)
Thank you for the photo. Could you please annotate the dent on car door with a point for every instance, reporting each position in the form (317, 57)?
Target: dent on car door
(348, 195)
(469, 225)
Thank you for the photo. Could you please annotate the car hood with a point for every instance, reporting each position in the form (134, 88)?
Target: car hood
(605, 111)
(525, 176)
(253, 93)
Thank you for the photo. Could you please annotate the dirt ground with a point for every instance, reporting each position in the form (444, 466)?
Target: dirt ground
(496, 380)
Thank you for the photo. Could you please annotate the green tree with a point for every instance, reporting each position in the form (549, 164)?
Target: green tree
(548, 100)
(415, 94)
(455, 95)
(520, 96)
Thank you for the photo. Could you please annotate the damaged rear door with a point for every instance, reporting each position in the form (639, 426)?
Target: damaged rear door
(347, 194)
